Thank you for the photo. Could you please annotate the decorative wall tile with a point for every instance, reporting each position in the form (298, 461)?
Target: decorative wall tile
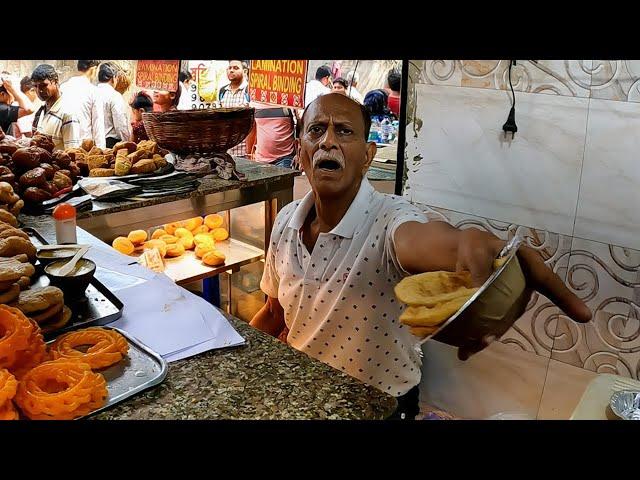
(557, 77)
(459, 158)
(607, 278)
(610, 188)
(616, 80)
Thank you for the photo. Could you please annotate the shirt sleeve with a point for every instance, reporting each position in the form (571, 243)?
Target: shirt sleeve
(270, 279)
(120, 120)
(398, 214)
(97, 121)
(70, 132)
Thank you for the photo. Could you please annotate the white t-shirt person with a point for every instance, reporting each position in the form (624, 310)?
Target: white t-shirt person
(313, 90)
(83, 97)
(338, 301)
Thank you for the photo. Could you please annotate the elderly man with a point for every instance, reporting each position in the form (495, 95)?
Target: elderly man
(335, 256)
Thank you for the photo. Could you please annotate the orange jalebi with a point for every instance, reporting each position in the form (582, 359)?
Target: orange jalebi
(60, 390)
(8, 411)
(8, 386)
(15, 335)
(32, 356)
(106, 347)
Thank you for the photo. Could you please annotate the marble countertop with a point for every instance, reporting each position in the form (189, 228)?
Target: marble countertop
(264, 379)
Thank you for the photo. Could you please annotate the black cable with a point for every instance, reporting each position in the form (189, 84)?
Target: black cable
(355, 69)
(513, 94)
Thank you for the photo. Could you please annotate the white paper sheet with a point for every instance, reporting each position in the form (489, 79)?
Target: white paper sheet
(158, 313)
(225, 335)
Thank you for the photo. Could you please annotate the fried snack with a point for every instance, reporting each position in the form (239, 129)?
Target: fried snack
(14, 270)
(47, 314)
(130, 146)
(185, 237)
(157, 244)
(35, 354)
(97, 161)
(38, 299)
(213, 258)
(137, 237)
(14, 232)
(7, 217)
(11, 294)
(158, 233)
(59, 321)
(61, 390)
(8, 412)
(431, 288)
(123, 245)
(5, 226)
(87, 144)
(169, 239)
(204, 239)
(106, 347)
(170, 228)
(21, 257)
(16, 207)
(16, 245)
(24, 282)
(17, 331)
(213, 221)
(200, 229)
(159, 161)
(143, 166)
(219, 234)
(123, 152)
(149, 145)
(203, 249)
(6, 193)
(192, 223)
(95, 150)
(102, 172)
(431, 316)
(175, 250)
(8, 386)
(122, 165)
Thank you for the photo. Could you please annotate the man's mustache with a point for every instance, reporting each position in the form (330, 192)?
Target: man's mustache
(334, 155)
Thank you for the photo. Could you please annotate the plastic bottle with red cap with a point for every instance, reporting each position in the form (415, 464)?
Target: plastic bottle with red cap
(65, 218)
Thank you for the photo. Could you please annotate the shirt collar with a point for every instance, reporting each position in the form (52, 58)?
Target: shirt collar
(352, 218)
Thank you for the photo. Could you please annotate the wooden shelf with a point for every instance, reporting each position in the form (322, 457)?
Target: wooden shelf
(189, 268)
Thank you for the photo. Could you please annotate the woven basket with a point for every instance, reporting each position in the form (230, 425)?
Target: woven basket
(202, 132)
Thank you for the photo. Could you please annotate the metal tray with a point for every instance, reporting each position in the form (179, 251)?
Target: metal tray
(99, 306)
(509, 251)
(140, 370)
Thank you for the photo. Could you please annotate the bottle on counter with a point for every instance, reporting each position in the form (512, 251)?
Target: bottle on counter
(65, 218)
(385, 131)
(374, 131)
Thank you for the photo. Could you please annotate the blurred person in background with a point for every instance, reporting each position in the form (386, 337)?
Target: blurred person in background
(353, 78)
(186, 79)
(340, 86)
(25, 124)
(81, 94)
(375, 102)
(116, 123)
(393, 86)
(141, 103)
(9, 113)
(321, 85)
(236, 94)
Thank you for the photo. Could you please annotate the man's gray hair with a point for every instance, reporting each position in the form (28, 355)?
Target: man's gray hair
(352, 77)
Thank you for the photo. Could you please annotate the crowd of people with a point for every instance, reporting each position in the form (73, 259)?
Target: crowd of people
(90, 105)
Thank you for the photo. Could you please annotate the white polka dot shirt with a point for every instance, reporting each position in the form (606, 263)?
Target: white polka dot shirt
(339, 303)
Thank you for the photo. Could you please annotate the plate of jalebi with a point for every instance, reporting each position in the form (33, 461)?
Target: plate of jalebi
(77, 374)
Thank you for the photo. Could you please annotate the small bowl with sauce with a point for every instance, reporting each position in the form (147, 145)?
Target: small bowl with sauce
(53, 255)
(75, 283)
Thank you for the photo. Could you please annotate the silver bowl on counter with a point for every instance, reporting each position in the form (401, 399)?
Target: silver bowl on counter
(626, 404)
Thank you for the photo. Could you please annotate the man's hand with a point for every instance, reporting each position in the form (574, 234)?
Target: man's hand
(476, 253)
(433, 246)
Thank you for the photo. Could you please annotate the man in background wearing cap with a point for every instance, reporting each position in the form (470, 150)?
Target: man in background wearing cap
(116, 123)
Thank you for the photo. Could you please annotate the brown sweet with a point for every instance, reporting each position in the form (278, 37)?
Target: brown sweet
(30, 157)
(38, 299)
(35, 177)
(159, 161)
(143, 166)
(130, 146)
(43, 141)
(97, 161)
(13, 271)
(35, 195)
(60, 180)
(49, 171)
(62, 159)
(8, 147)
(95, 150)
(13, 232)
(10, 295)
(15, 245)
(16, 207)
(102, 172)
(149, 145)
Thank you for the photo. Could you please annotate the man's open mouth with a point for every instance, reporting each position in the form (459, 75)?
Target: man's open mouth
(328, 164)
